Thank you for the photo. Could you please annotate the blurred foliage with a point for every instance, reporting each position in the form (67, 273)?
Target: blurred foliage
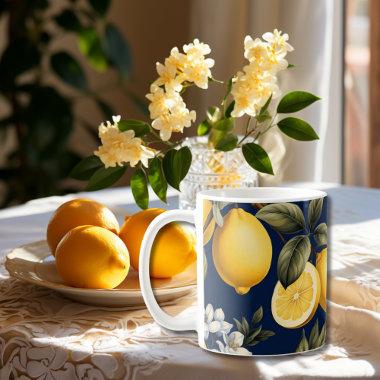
(41, 117)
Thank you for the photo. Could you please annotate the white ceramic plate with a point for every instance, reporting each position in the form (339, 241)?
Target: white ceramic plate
(34, 263)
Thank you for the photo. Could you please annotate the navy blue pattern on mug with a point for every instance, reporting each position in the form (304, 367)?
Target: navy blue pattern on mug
(265, 276)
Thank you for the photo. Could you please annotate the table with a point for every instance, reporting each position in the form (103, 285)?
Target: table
(45, 336)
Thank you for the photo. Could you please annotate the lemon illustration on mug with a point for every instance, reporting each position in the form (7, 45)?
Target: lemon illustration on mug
(321, 266)
(296, 305)
(241, 250)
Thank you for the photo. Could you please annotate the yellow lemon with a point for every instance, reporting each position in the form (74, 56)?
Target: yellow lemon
(321, 266)
(78, 212)
(173, 249)
(295, 306)
(209, 229)
(242, 250)
(92, 257)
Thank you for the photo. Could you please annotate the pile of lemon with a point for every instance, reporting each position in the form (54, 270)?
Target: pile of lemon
(92, 251)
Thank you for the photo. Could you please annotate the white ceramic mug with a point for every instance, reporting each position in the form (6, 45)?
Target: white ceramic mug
(261, 270)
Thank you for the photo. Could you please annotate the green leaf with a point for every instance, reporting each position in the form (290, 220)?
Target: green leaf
(104, 178)
(258, 316)
(157, 178)
(314, 212)
(69, 70)
(225, 125)
(290, 66)
(263, 117)
(229, 88)
(140, 127)
(86, 168)
(50, 122)
(90, 46)
(176, 164)
(292, 259)
(239, 326)
(19, 56)
(295, 101)
(229, 109)
(251, 338)
(264, 335)
(68, 21)
(322, 336)
(245, 325)
(285, 217)
(257, 157)
(106, 109)
(297, 129)
(227, 142)
(264, 108)
(320, 234)
(100, 6)
(139, 188)
(203, 128)
(314, 336)
(303, 344)
(117, 50)
(213, 114)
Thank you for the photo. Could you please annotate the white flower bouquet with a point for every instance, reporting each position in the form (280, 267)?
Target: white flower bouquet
(157, 159)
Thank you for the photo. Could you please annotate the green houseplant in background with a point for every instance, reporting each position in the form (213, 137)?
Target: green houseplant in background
(39, 115)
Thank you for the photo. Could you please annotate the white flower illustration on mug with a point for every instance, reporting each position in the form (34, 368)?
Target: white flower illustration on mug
(214, 322)
(233, 344)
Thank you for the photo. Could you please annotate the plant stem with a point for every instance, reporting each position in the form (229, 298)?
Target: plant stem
(168, 143)
(247, 132)
(271, 125)
(224, 101)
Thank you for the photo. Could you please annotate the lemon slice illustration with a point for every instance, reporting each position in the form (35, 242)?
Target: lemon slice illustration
(241, 250)
(321, 266)
(294, 306)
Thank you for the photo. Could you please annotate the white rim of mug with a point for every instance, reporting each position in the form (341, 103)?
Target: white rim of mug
(243, 195)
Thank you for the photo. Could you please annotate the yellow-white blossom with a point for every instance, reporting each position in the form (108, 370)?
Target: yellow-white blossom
(168, 76)
(253, 86)
(251, 89)
(197, 48)
(167, 108)
(278, 42)
(162, 101)
(256, 50)
(196, 68)
(176, 59)
(119, 148)
(174, 121)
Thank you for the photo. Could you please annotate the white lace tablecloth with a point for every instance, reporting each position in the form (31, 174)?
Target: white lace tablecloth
(45, 336)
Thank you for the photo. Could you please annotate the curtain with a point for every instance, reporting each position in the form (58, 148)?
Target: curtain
(315, 30)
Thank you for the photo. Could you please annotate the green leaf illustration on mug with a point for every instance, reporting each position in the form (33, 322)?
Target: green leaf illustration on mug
(253, 334)
(320, 234)
(316, 339)
(314, 212)
(303, 344)
(284, 217)
(292, 260)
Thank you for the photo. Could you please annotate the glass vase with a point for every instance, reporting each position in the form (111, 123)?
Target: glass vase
(213, 169)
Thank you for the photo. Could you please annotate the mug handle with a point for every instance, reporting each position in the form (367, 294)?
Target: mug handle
(162, 318)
